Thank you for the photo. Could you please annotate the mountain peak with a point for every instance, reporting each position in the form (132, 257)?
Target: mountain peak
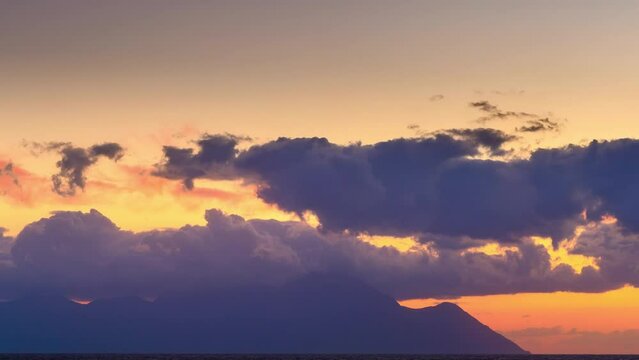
(315, 314)
(448, 305)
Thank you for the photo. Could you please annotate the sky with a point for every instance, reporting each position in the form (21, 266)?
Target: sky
(481, 152)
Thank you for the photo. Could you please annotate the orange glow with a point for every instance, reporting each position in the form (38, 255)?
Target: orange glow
(492, 249)
(515, 311)
(562, 255)
(610, 311)
(163, 73)
(133, 199)
(81, 301)
(311, 219)
(403, 244)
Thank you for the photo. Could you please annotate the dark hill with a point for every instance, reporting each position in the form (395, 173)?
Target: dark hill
(316, 314)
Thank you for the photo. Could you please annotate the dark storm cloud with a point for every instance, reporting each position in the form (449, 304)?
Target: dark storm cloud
(433, 185)
(493, 112)
(86, 255)
(214, 155)
(75, 161)
(402, 186)
(602, 177)
(380, 188)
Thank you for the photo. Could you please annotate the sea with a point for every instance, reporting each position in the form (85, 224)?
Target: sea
(307, 357)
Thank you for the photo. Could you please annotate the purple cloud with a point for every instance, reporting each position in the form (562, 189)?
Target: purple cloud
(86, 255)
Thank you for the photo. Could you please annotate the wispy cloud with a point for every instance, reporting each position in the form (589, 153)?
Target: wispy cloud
(530, 122)
(7, 170)
(493, 112)
(539, 125)
(435, 98)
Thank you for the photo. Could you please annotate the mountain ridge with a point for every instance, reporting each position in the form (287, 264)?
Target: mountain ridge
(310, 315)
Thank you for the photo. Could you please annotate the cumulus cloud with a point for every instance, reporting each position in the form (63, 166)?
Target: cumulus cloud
(426, 185)
(616, 249)
(435, 187)
(86, 255)
(75, 161)
(396, 187)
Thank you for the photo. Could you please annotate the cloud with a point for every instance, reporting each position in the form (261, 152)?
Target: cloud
(355, 187)
(215, 153)
(435, 98)
(489, 139)
(7, 170)
(493, 112)
(21, 187)
(492, 139)
(433, 186)
(75, 161)
(484, 106)
(86, 255)
(532, 123)
(397, 187)
(539, 125)
(616, 249)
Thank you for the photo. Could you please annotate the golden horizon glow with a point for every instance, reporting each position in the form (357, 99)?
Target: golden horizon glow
(605, 312)
(402, 244)
(134, 200)
(561, 254)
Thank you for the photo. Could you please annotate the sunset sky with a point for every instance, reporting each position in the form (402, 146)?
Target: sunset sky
(449, 144)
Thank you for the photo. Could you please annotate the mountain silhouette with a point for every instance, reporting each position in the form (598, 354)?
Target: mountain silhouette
(315, 314)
